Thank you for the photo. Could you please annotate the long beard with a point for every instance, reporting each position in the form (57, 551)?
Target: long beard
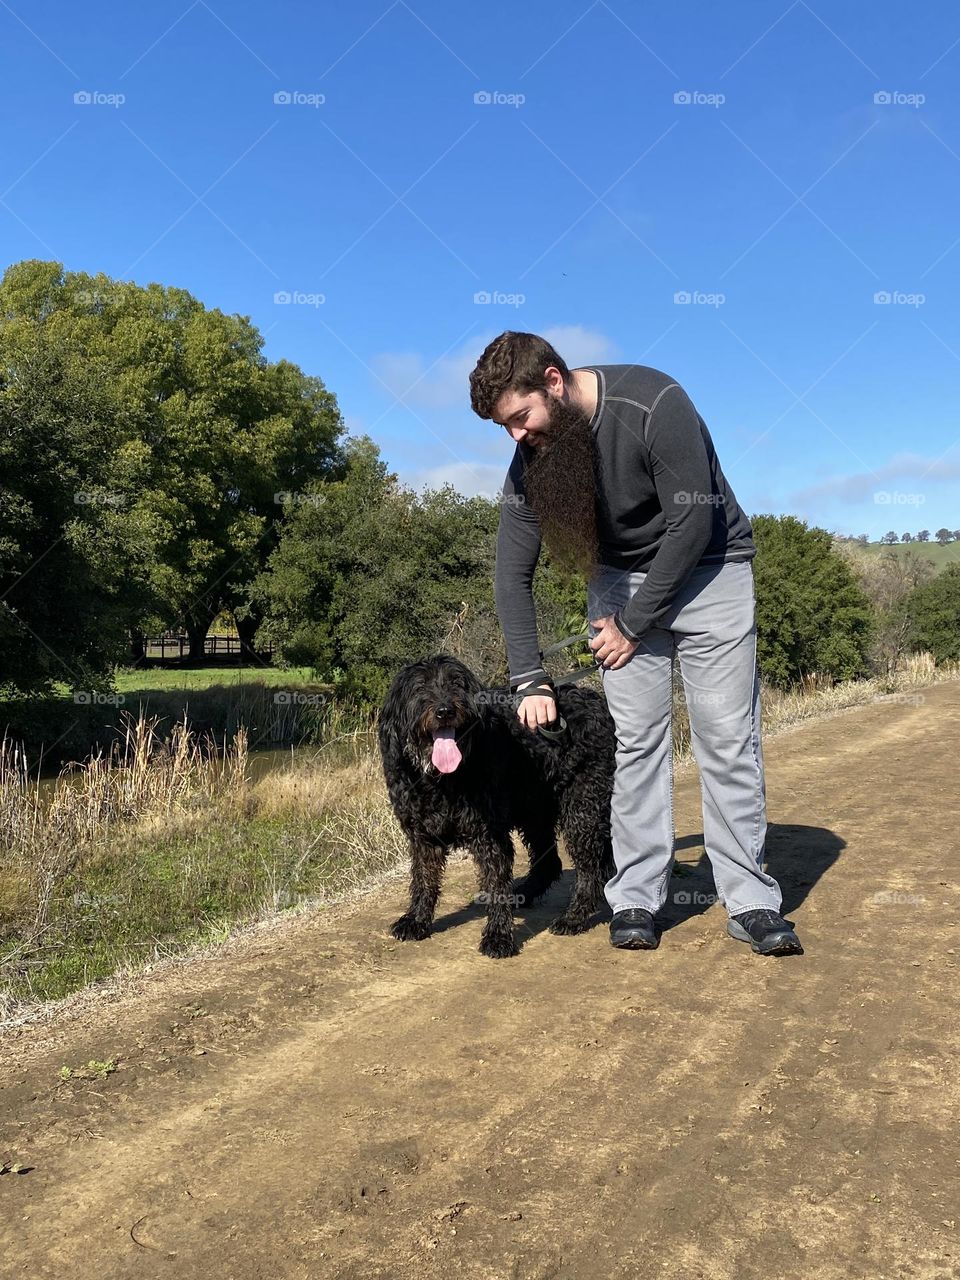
(561, 484)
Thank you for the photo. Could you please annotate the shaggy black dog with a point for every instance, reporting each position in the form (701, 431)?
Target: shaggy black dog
(462, 770)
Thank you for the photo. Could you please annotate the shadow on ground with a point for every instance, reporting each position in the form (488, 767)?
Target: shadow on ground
(797, 856)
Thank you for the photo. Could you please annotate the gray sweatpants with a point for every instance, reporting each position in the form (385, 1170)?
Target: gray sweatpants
(711, 627)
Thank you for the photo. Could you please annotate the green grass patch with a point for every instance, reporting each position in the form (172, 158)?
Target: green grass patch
(133, 898)
(938, 556)
(145, 679)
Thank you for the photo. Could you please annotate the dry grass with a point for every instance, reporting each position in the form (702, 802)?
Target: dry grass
(821, 695)
(166, 844)
(132, 855)
(818, 697)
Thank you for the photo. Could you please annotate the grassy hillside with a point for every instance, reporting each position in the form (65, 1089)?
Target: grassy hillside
(938, 556)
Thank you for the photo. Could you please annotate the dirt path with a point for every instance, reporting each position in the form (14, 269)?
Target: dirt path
(325, 1102)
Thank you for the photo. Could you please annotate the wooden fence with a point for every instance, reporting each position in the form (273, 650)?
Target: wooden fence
(171, 646)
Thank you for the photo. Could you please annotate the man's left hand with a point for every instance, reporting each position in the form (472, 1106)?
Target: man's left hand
(611, 647)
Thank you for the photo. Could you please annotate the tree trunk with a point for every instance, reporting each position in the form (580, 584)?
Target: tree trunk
(247, 630)
(197, 631)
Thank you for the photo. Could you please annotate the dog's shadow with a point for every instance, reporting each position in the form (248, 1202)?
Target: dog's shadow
(528, 921)
(796, 856)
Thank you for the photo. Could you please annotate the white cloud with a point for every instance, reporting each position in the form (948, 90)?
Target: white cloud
(904, 468)
(580, 346)
(438, 384)
(444, 383)
(472, 479)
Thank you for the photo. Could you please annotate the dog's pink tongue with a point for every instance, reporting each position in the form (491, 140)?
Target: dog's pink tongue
(446, 753)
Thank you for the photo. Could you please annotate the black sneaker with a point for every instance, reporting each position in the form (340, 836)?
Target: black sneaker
(766, 931)
(634, 929)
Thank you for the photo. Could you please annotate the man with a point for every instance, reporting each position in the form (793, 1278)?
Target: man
(616, 472)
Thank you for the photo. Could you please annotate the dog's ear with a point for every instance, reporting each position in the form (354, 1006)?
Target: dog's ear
(390, 732)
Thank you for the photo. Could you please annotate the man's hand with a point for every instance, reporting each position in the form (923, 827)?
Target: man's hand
(611, 647)
(537, 708)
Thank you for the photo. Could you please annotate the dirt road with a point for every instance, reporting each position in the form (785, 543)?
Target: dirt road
(321, 1101)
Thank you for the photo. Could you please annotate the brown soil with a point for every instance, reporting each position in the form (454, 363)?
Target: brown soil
(321, 1101)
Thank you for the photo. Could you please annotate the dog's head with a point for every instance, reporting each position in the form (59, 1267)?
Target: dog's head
(433, 709)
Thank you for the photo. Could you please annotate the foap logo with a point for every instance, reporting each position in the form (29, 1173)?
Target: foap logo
(894, 498)
(287, 498)
(297, 98)
(896, 298)
(694, 897)
(98, 297)
(696, 498)
(496, 698)
(700, 696)
(297, 698)
(901, 699)
(496, 298)
(894, 98)
(96, 98)
(296, 298)
(695, 298)
(494, 98)
(897, 898)
(87, 499)
(694, 98)
(94, 698)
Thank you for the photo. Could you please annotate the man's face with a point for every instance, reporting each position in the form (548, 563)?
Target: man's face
(536, 418)
(560, 477)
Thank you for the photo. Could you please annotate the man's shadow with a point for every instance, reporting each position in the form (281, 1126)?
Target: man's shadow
(796, 856)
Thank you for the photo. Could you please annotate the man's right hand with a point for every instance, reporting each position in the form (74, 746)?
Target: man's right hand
(536, 709)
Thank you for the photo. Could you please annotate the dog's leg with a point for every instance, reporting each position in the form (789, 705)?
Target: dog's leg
(427, 863)
(494, 854)
(540, 836)
(586, 833)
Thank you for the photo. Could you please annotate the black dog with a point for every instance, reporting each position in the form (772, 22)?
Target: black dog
(462, 770)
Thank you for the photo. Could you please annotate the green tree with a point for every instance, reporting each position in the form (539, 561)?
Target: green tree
(368, 575)
(186, 436)
(932, 611)
(812, 615)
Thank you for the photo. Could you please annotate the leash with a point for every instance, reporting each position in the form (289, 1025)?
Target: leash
(554, 733)
(573, 676)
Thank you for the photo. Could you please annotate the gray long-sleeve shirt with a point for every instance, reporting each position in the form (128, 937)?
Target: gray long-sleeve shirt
(663, 507)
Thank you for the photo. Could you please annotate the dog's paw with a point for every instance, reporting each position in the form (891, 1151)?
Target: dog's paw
(566, 925)
(409, 929)
(498, 946)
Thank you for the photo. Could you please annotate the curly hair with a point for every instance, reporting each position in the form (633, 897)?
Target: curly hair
(512, 362)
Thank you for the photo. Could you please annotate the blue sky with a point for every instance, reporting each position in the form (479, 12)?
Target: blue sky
(619, 155)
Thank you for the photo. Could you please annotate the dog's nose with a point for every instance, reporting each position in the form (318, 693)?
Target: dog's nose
(444, 712)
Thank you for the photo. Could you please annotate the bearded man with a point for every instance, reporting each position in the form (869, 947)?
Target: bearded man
(616, 473)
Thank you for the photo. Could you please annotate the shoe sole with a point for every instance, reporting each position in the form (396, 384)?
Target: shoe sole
(775, 944)
(635, 942)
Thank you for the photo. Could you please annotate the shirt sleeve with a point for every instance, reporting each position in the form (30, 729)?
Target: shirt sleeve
(518, 550)
(681, 474)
